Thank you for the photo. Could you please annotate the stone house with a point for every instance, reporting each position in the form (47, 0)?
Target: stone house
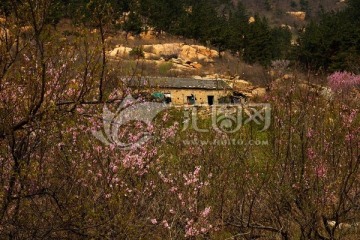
(184, 91)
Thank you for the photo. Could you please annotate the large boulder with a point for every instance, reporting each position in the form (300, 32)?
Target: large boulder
(177, 61)
(188, 53)
(120, 51)
(164, 50)
(196, 65)
(195, 53)
(176, 52)
(251, 20)
(151, 56)
(206, 51)
(259, 92)
(183, 67)
(298, 15)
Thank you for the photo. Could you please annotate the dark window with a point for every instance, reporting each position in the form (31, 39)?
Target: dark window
(191, 99)
(210, 100)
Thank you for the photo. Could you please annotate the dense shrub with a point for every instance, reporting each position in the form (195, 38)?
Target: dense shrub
(342, 81)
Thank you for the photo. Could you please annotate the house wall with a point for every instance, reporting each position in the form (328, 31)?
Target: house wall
(179, 96)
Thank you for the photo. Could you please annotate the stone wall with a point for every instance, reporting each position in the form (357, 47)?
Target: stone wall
(179, 96)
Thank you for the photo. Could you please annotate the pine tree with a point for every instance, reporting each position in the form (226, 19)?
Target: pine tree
(332, 44)
(354, 10)
(305, 7)
(162, 15)
(238, 26)
(258, 42)
(281, 42)
(132, 24)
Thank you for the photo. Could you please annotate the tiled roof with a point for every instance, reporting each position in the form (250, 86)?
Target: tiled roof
(179, 83)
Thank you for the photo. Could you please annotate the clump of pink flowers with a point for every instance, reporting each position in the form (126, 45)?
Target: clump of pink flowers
(201, 226)
(339, 81)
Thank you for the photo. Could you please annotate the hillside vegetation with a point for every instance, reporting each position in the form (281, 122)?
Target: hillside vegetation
(239, 27)
(236, 26)
(277, 9)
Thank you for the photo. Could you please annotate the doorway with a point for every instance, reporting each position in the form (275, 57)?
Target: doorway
(210, 100)
(167, 98)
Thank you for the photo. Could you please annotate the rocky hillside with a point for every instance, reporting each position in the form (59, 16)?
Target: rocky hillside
(279, 11)
(292, 5)
(181, 59)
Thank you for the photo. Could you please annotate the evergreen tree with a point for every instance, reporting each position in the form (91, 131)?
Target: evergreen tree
(330, 44)
(162, 15)
(268, 4)
(238, 26)
(293, 4)
(305, 7)
(220, 35)
(354, 10)
(200, 21)
(6, 6)
(258, 42)
(132, 24)
(281, 42)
